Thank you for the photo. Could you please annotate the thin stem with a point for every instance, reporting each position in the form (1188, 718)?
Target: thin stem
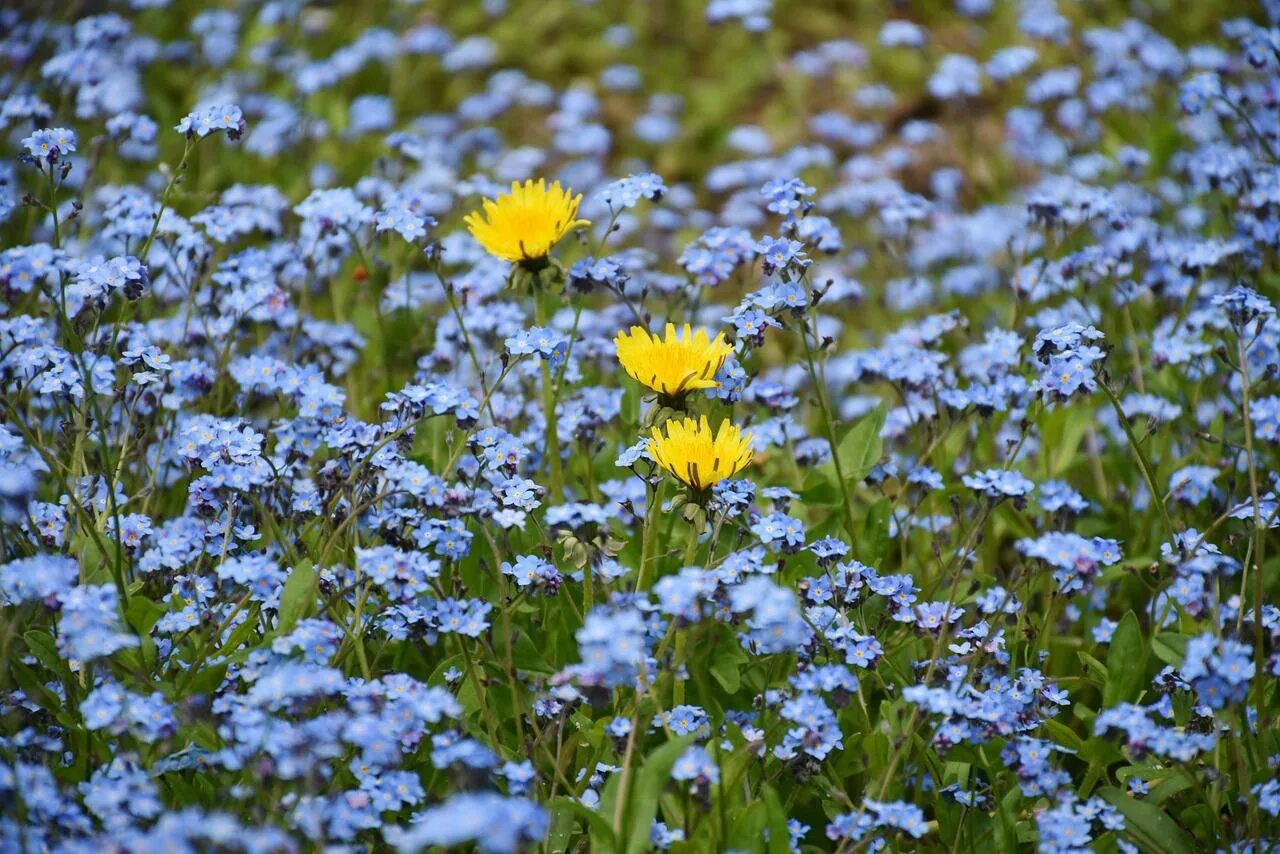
(939, 645)
(164, 198)
(677, 690)
(556, 487)
(621, 799)
(53, 207)
(654, 500)
(829, 425)
(1259, 540)
(466, 340)
(1144, 464)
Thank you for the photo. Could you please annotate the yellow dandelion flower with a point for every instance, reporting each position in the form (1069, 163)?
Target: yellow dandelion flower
(675, 365)
(524, 224)
(693, 454)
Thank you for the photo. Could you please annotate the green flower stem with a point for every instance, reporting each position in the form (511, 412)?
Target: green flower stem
(370, 270)
(1143, 463)
(829, 424)
(677, 690)
(556, 491)
(653, 502)
(1259, 542)
(588, 589)
(944, 634)
(466, 340)
(164, 198)
(82, 516)
(53, 211)
(474, 674)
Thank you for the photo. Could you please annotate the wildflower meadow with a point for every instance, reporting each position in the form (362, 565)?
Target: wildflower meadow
(639, 425)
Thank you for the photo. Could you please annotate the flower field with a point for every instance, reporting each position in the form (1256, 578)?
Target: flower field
(690, 425)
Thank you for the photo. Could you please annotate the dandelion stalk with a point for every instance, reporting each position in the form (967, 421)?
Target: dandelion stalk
(653, 502)
(690, 553)
(556, 488)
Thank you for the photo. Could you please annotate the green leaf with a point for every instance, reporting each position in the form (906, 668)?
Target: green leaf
(526, 657)
(1007, 820)
(34, 687)
(779, 835)
(726, 665)
(642, 800)
(1066, 439)
(242, 632)
(820, 489)
(1149, 825)
(861, 447)
(1062, 735)
(1126, 662)
(142, 614)
(602, 838)
(956, 772)
(1099, 750)
(209, 679)
(875, 533)
(1170, 648)
(297, 597)
(560, 829)
(1166, 789)
(631, 403)
(45, 648)
(1096, 668)
(609, 796)
(746, 829)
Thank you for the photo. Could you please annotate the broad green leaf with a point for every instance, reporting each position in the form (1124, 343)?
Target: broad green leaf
(1101, 751)
(1170, 648)
(1126, 662)
(1149, 825)
(242, 632)
(1167, 788)
(820, 489)
(631, 403)
(1091, 778)
(1199, 821)
(726, 664)
(746, 829)
(609, 795)
(861, 447)
(209, 679)
(34, 687)
(527, 657)
(1007, 821)
(142, 614)
(560, 829)
(956, 772)
(1096, 668)
(298, 596)
(875, 533)
(779, 835)
(1062, 735)
(1074, 425)
(45, 648)
(602, 838)
(643, 796)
